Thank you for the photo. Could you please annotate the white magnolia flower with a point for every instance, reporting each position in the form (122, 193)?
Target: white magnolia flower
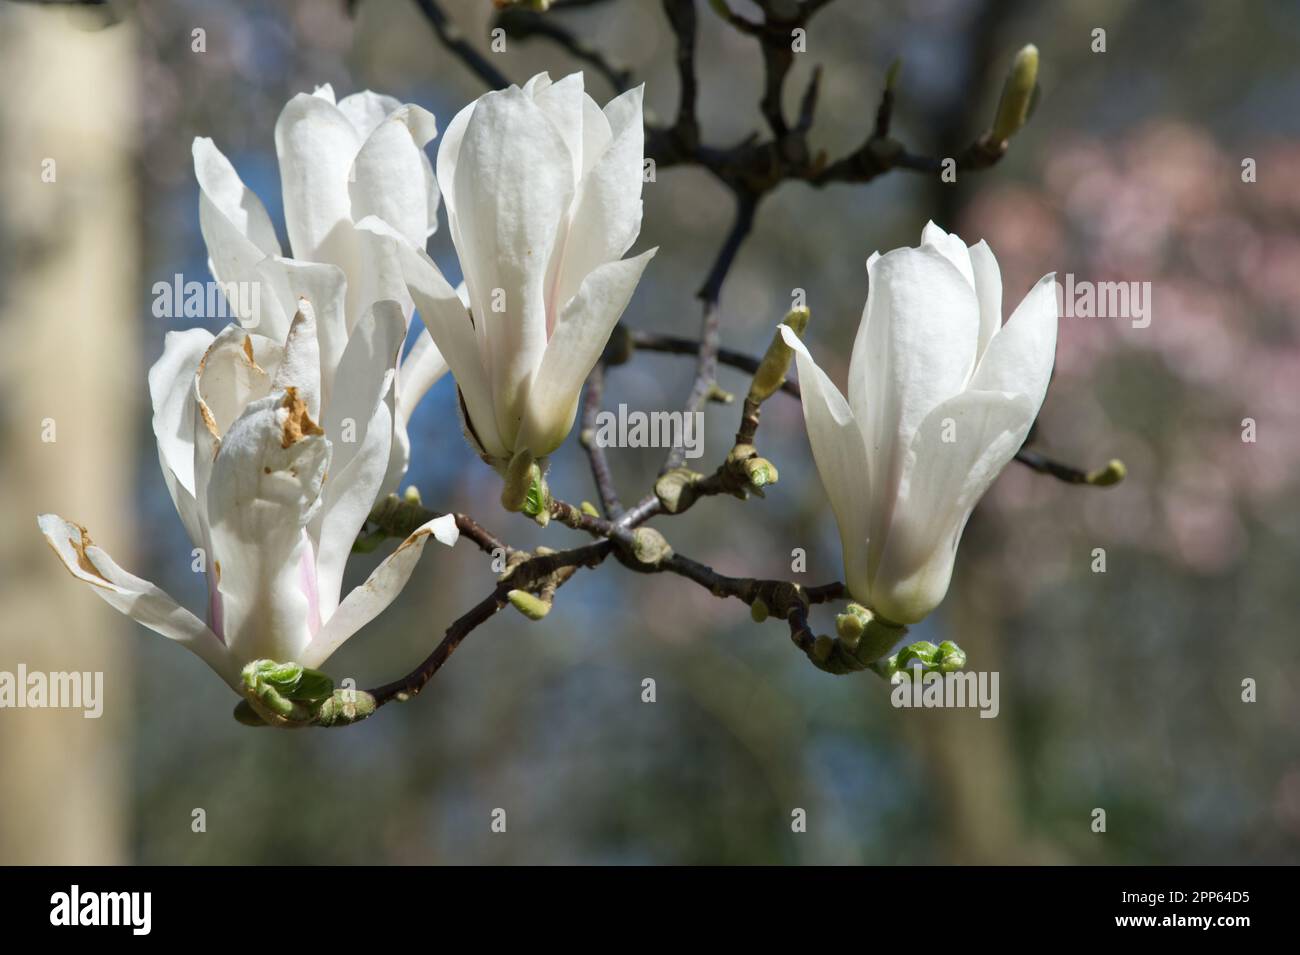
(543, 196)
(941, 396)
(268, 484)
(339, 163)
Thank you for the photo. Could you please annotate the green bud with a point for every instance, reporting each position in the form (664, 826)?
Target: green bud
(520, 475)
(676, 489)
(950, 657)
(345, 707)
(776, 361)
(534, 608)
(760, 471)
(589, 509)
(878, 638)
(947, 657)
(851, 624)
(537, 501)
(1017, 95)
(313, 687)
(412, 495)
(283, 676)
(923, 650)
(758, 610)
(650, 547)
(1112, 473)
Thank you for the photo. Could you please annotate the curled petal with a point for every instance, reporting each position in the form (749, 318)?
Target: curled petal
(366, 602)
(138, 599)
(171, 388)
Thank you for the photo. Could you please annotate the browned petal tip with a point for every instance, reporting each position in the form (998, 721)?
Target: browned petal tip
(298, 423)
(83, 560)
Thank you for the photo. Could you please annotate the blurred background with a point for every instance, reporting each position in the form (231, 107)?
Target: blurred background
(1119, 690)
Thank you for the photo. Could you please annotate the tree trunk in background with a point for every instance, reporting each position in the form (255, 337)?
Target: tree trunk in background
(68, 287)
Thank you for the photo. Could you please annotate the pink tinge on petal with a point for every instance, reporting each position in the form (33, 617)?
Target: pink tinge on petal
(216, 618)
(307, 581)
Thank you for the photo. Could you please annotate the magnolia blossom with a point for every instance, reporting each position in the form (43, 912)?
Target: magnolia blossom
(941, 396)
(339, 163)
(268, 484)
(543, 196)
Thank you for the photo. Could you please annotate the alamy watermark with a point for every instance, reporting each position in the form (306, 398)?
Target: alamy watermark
(651, 429)
(66, 691)
(129, 909)
(1085, 299)
(208, 300)
(934, 690)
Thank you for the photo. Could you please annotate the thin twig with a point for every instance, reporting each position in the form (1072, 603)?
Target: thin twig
(456, 43)
(527, 573)
(600, 471)
(521, 24)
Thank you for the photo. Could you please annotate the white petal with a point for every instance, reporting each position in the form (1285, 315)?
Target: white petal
(366, 110)
(1020, 357)
(448, 160)
(956, 454)
(265, 485)
(171, 388)
(452, 330)
(137, 598)
(606, 217)
(238, 235)
(300, 365)
(513, 185)
(316, 144)
(988, 289)
(232, 373)
(421, 368)
(228, 196)
(841, 458)
(583, 328)
(596, 133)
(358, 466)
(366, 602)
(915, 348)
(563, 104)
(389, 175)
(951, 247)
(325, 286)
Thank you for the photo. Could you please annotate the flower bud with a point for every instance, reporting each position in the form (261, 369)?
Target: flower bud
(522, 477)
(776, 361)
(1017, 95)
(345, 707)
(760, 471)
(1112, 473)
(650, 547)
(534, 608)
(676, 489)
